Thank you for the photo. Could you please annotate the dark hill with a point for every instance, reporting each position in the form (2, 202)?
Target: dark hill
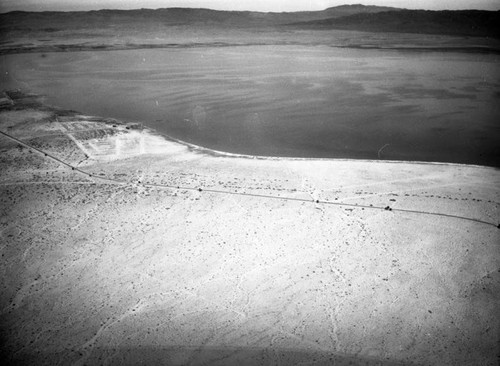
(346, 10)
(170, 16)
(348, 17)
(460, 22)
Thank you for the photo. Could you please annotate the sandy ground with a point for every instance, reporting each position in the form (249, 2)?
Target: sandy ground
(122, 267)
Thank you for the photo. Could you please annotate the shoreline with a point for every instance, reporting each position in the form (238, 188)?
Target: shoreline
(216, 153)
(149, 136)
(219, 153)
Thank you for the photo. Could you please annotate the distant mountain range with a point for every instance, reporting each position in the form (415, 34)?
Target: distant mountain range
(181, 16)
(349, 17)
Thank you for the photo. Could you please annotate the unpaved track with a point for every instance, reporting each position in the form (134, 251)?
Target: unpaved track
(200, 189)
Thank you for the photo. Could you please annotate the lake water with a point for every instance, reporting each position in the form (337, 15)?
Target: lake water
(300, 101)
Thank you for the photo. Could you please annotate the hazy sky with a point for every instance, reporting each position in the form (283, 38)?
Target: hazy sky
(257, 5)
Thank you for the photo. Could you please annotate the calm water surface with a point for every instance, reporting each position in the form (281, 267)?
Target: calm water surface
(286, 100)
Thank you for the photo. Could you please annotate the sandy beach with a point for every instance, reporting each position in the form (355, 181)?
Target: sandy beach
(120, 246)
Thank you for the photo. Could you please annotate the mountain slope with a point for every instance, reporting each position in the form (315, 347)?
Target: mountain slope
(147, 21)
(170, 16)
(462, 22)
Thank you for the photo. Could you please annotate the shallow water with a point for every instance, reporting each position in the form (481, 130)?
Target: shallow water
(315, 101)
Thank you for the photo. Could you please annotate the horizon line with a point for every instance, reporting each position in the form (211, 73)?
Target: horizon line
(241, 11)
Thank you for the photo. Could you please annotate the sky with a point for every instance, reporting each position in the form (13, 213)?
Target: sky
(254, 5)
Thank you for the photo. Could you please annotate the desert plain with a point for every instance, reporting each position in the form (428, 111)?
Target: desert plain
(120, 246)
